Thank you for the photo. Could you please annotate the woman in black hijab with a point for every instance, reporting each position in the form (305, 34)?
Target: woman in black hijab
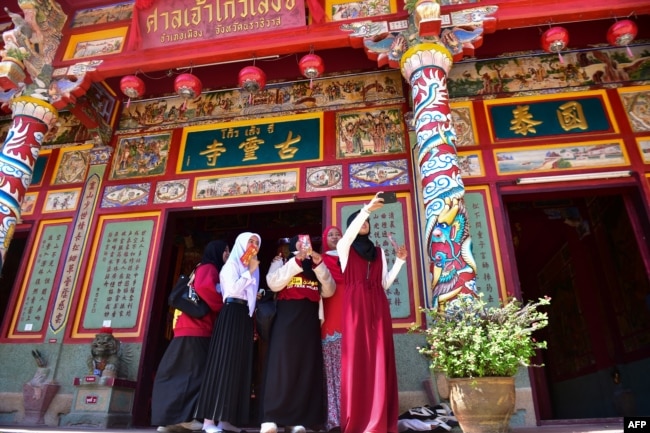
(181, 370)
(369, 395)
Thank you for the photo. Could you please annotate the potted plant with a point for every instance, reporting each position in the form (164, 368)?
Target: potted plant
(480, 348)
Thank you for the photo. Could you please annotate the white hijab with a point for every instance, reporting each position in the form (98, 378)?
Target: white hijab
(235, 279)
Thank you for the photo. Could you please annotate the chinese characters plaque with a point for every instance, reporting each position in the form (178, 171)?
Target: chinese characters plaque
(41, 280)
(385, 222)
(285, 140)
(544, 118)
(116, 289)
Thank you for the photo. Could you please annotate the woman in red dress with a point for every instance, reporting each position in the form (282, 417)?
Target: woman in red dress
(369, 394)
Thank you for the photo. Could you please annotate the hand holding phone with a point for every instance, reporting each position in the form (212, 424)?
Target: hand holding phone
(389, 197)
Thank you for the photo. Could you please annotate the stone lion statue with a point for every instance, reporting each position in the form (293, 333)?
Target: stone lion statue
(104, 354)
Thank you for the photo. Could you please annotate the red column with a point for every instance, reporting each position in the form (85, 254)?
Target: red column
(32, 118)
(453, 268)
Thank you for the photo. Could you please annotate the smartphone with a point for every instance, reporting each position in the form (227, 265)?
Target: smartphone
(389, 197)
(305, 243)
(250, 252)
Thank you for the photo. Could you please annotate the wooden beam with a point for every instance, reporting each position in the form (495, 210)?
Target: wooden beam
(511, 14)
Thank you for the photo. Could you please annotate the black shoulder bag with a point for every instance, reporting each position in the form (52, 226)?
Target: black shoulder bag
(183, 297)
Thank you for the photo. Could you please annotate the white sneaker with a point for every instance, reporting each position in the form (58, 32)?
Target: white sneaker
(162, 429)
(269, 427)
(295, 429)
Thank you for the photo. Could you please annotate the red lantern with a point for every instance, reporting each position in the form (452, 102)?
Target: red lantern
(252, 79)
(622, 33)
(187, 86)
(311, 66)
(132, 86)
(555, 40)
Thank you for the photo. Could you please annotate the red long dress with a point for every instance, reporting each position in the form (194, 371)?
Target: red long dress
(369, 393)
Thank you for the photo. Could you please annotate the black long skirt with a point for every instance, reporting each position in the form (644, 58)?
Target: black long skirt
(226, 390)
(178, 380)
(293, 391)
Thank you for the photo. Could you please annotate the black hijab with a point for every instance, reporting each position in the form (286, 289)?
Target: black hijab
(362, 243)
(213, 253)
(307, 263)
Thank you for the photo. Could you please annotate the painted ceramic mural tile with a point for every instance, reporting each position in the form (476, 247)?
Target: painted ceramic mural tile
(72, 166)
(324, 94)
(324, 178)
(275, 182)
(562, 157)
(644, 148)
(379, 173)
(103, 14)
(532, 72)
(28, 204)
(636, 105)
(370, 132)
(172, 191)
(470, 164)
(61, 200)
(141, 156)
(126, 195)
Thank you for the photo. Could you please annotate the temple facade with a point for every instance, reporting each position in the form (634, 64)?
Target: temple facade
(517, 141)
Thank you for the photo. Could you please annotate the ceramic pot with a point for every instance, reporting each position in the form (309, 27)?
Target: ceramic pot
(12, 73)
(484, 404)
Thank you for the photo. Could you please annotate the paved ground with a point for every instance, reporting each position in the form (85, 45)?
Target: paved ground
(581, 428)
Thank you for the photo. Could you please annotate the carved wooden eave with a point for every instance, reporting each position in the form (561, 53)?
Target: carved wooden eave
(510, 15)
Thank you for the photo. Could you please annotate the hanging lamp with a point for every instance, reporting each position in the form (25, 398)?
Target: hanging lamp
(187, 86)
(311, 66)
(133, 87)
(554, 40)
(622, 33)
(251, 80)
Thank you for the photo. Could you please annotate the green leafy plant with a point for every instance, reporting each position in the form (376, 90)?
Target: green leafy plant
(470, 339)
(19, 54)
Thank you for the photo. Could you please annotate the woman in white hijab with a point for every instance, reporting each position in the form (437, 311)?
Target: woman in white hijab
(225, 393)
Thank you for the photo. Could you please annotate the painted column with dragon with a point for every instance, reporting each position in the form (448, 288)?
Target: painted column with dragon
(449, 245)
(32, 118)
(31, 42)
